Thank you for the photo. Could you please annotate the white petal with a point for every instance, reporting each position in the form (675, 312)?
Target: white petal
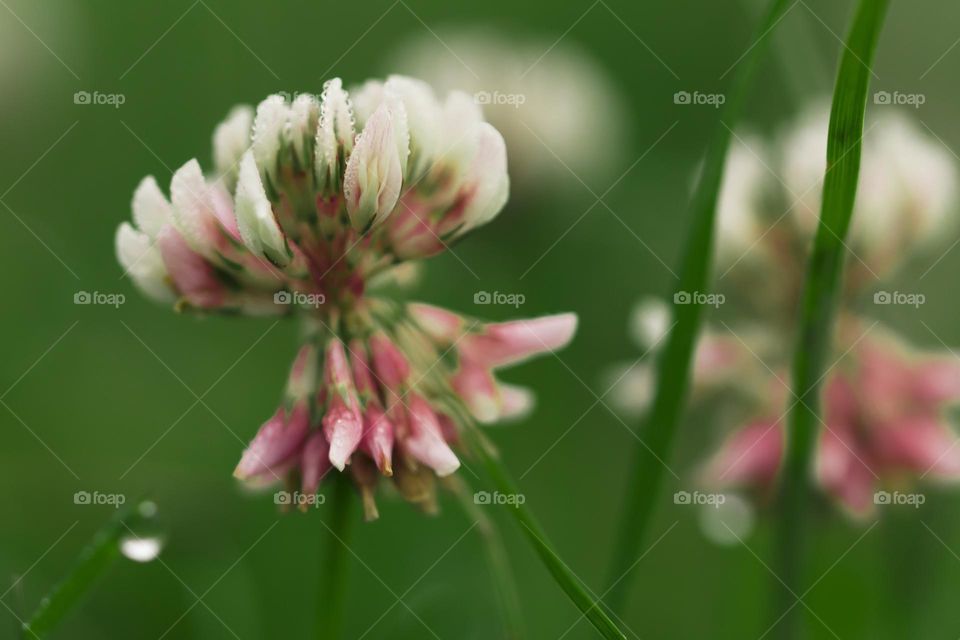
(141, 260)
(374, 173)
(151, 210)
(488, 178)
(334, 135)
(366, 99)
(304, 114)
(230, 139)
(258, 226)
(192, 210)
(423, 119)
(273, 114)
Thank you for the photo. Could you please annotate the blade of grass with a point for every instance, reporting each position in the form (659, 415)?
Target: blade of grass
(673, 367)
(820, 295)
(93, 561)
(564, 577)
(503, 582)
(333, 574)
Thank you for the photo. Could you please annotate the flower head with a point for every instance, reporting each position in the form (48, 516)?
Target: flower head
(313, 203)
(884, 425)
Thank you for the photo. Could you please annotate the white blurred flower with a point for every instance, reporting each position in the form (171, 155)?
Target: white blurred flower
(549, 102)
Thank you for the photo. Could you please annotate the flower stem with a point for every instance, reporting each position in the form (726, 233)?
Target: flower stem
(503, 580)
(92, 563)
(819, 301)
(333, 571)
(673, 368)
(590, 607)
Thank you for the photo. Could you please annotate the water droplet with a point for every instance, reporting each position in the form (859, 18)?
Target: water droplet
(144, 541)
(141, 549)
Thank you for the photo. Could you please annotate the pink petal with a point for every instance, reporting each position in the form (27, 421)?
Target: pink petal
(277, 440)
(937, 381)
(921, 444)
(392, 367)
(750, 456)
(378, 434)
(192, 275)
(476, 386)
(507, 343)
(425, 442)
(442, 325)
(342, 423)
(314, 462)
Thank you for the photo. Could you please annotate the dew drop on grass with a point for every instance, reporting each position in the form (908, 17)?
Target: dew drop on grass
(143, 542)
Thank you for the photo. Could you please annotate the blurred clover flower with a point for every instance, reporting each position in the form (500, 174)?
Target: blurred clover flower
(313, 205)
(556, 106)
(885, 402)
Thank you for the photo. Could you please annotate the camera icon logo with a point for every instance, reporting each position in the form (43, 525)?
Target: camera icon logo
(881, 497)
(82, 297)
(482, 97)
(882, 97)
(282, 497)
(482, 297)
(282, 297)
(482, 497)
(682, 97)
(81, 497)
(682, 297)
(82, 97)
(882, 297)
(681, 497)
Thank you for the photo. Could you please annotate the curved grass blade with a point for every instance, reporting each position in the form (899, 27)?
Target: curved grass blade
(820, 293)
(94, 560)
(590, 607)
(673, 366)
(503, 581)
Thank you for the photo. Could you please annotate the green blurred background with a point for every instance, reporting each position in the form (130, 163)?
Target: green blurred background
(104, 399)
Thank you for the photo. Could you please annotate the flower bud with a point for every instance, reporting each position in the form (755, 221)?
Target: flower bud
(374, 172)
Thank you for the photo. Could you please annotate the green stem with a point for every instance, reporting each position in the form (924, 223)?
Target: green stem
(819, 300)
(92, 563)
(673, 367)
(503, 580)
(333, 572)
(590, 607)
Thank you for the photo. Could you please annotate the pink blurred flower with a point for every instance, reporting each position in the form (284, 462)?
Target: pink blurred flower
(883, 425)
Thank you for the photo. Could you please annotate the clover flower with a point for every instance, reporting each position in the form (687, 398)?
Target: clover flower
(770, 202)
(884, 425)
(313, 204)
